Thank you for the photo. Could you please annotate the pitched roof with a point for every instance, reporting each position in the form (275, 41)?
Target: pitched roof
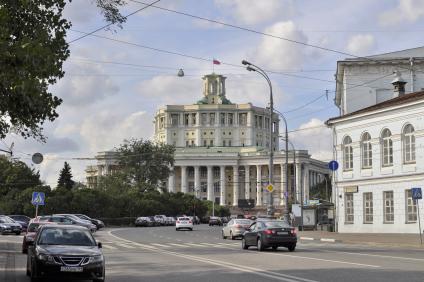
(404, 99)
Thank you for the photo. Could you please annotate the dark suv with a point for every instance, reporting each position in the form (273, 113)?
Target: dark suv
(214, 220)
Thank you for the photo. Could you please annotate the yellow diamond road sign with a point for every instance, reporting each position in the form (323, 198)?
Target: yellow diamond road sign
(270, 188)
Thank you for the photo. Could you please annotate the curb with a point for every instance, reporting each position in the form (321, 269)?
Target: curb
(326, 240)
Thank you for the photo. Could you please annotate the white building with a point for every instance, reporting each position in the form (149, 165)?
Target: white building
(222, 150)
(379, 148)
(363, 82)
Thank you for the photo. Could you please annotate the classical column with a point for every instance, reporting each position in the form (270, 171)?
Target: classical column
(222, 185)
(306, 181)
(210, 184)
(236, 185)
(183, 179)
(171, 182)
(259, 185)
(197, 188)
(247, 182)
(283, 184)
(298, 182)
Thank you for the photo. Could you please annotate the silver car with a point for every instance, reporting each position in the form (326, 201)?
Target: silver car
(81, 222)
(235, 228)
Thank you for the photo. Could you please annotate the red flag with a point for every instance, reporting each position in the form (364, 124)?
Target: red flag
(216, 62)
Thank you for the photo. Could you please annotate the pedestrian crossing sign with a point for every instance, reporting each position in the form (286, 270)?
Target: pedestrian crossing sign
(416, 193)
(38, 198)
(270, 188)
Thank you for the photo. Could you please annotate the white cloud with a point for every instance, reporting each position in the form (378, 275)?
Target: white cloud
(280, 54)
(254, 11)
(360, 44)
(106, 129)
(80, 12)
(317, 140)
(406, 11)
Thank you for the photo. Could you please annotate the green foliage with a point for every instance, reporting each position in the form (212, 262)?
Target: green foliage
(144, 164)
(65, 177)
(33, 48)
(321, 190)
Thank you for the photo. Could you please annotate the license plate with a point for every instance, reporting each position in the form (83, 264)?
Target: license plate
(183, 222)
(282, 233)
(70, 269)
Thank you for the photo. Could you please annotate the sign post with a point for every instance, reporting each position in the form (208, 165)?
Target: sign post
(333, 166)
(37, 200)
(417, 195)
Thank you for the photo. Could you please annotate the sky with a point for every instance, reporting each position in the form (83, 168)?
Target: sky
(112, 88)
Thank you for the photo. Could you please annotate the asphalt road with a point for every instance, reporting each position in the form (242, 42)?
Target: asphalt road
(163, 254)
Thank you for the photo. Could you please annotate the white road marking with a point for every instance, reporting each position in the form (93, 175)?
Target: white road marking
(306, 238)
(160, 245)
(371, 255)
(196, 245)
(178, 245)
(125, 245)
(109, 247)
(328, 240)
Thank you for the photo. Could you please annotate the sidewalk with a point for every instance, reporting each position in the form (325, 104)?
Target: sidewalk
(376, 239)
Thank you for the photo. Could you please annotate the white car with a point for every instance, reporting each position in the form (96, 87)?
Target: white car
(184, 223)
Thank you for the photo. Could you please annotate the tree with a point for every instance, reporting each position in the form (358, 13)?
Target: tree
(145, 164)
(65, 177)
(33, 48)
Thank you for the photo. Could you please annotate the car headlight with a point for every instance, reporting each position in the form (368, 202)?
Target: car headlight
(45, 257)
(96, 259)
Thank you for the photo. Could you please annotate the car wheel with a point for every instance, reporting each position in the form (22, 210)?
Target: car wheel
(260, 245)
(18, 233)
(176, 229)
(244, 245)
(191, 229)
(99, 280)
(33, 274)
(231, 235)
(223, 236)
(24, 251)
(292, 247)
(274, 248)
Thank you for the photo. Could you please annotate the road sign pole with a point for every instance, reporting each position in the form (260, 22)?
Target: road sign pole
(419, 221)
(36, 211)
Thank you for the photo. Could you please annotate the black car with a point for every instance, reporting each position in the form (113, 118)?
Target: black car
(8, 225)
(214, 220)
(67, 251)
(270, 233)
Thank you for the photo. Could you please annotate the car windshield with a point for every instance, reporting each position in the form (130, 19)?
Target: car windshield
(33, 227)
(246, 222)
(183, 218)
(61, 236)
(6, 220)
(276, 224)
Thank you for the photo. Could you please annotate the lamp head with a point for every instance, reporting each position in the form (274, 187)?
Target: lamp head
(249, 68)
(180, 73)
(244, 62)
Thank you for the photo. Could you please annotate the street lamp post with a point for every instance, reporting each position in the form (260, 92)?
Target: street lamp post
(252, 67)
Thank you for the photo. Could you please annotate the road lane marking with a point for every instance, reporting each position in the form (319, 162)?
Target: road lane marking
(109, 247)
(326, 260)
(178, 245)
(371, 255)
(196, 245)
(125, 245)
(160, 245)
(241, 268)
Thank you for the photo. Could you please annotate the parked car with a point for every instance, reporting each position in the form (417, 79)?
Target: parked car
(161, 219)
(143, 221)
(267, 233)
(30, 234)
(99, 224)
(78, 221)
(224, 219)
(235, 228)
(8, 225)
(64, 220)
(23, 220)
(214, 220)
(170, 221)
(65, 251)
(155, 222)
(184, 223)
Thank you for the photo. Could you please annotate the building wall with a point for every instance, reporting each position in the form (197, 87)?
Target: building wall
(398, 177)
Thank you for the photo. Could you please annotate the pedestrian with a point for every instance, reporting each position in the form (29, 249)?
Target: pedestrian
(291, 217)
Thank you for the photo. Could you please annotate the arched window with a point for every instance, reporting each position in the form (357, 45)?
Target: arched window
(387, 147)
(408, 144)
(347, 153)
(366, 150)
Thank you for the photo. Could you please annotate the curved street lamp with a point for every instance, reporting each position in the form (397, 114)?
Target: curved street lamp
(252, 67)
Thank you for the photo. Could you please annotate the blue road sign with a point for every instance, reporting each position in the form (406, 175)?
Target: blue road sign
(333, 165)
(38, 198)
(417, 194)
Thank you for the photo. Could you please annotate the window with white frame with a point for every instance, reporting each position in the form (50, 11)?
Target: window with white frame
(216, 187)
(366, 153)
(348, 207)
(388, 207)
(347, 153)
(411, 207)
(368, 207)
(408, 144)
(387, 147)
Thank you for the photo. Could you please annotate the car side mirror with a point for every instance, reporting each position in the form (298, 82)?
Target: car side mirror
(99, 245)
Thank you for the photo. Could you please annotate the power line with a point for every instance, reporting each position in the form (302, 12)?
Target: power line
(103, 27)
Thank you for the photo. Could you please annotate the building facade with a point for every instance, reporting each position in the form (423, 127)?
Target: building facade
(107, 164)
(379, 149)
(222, 150)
